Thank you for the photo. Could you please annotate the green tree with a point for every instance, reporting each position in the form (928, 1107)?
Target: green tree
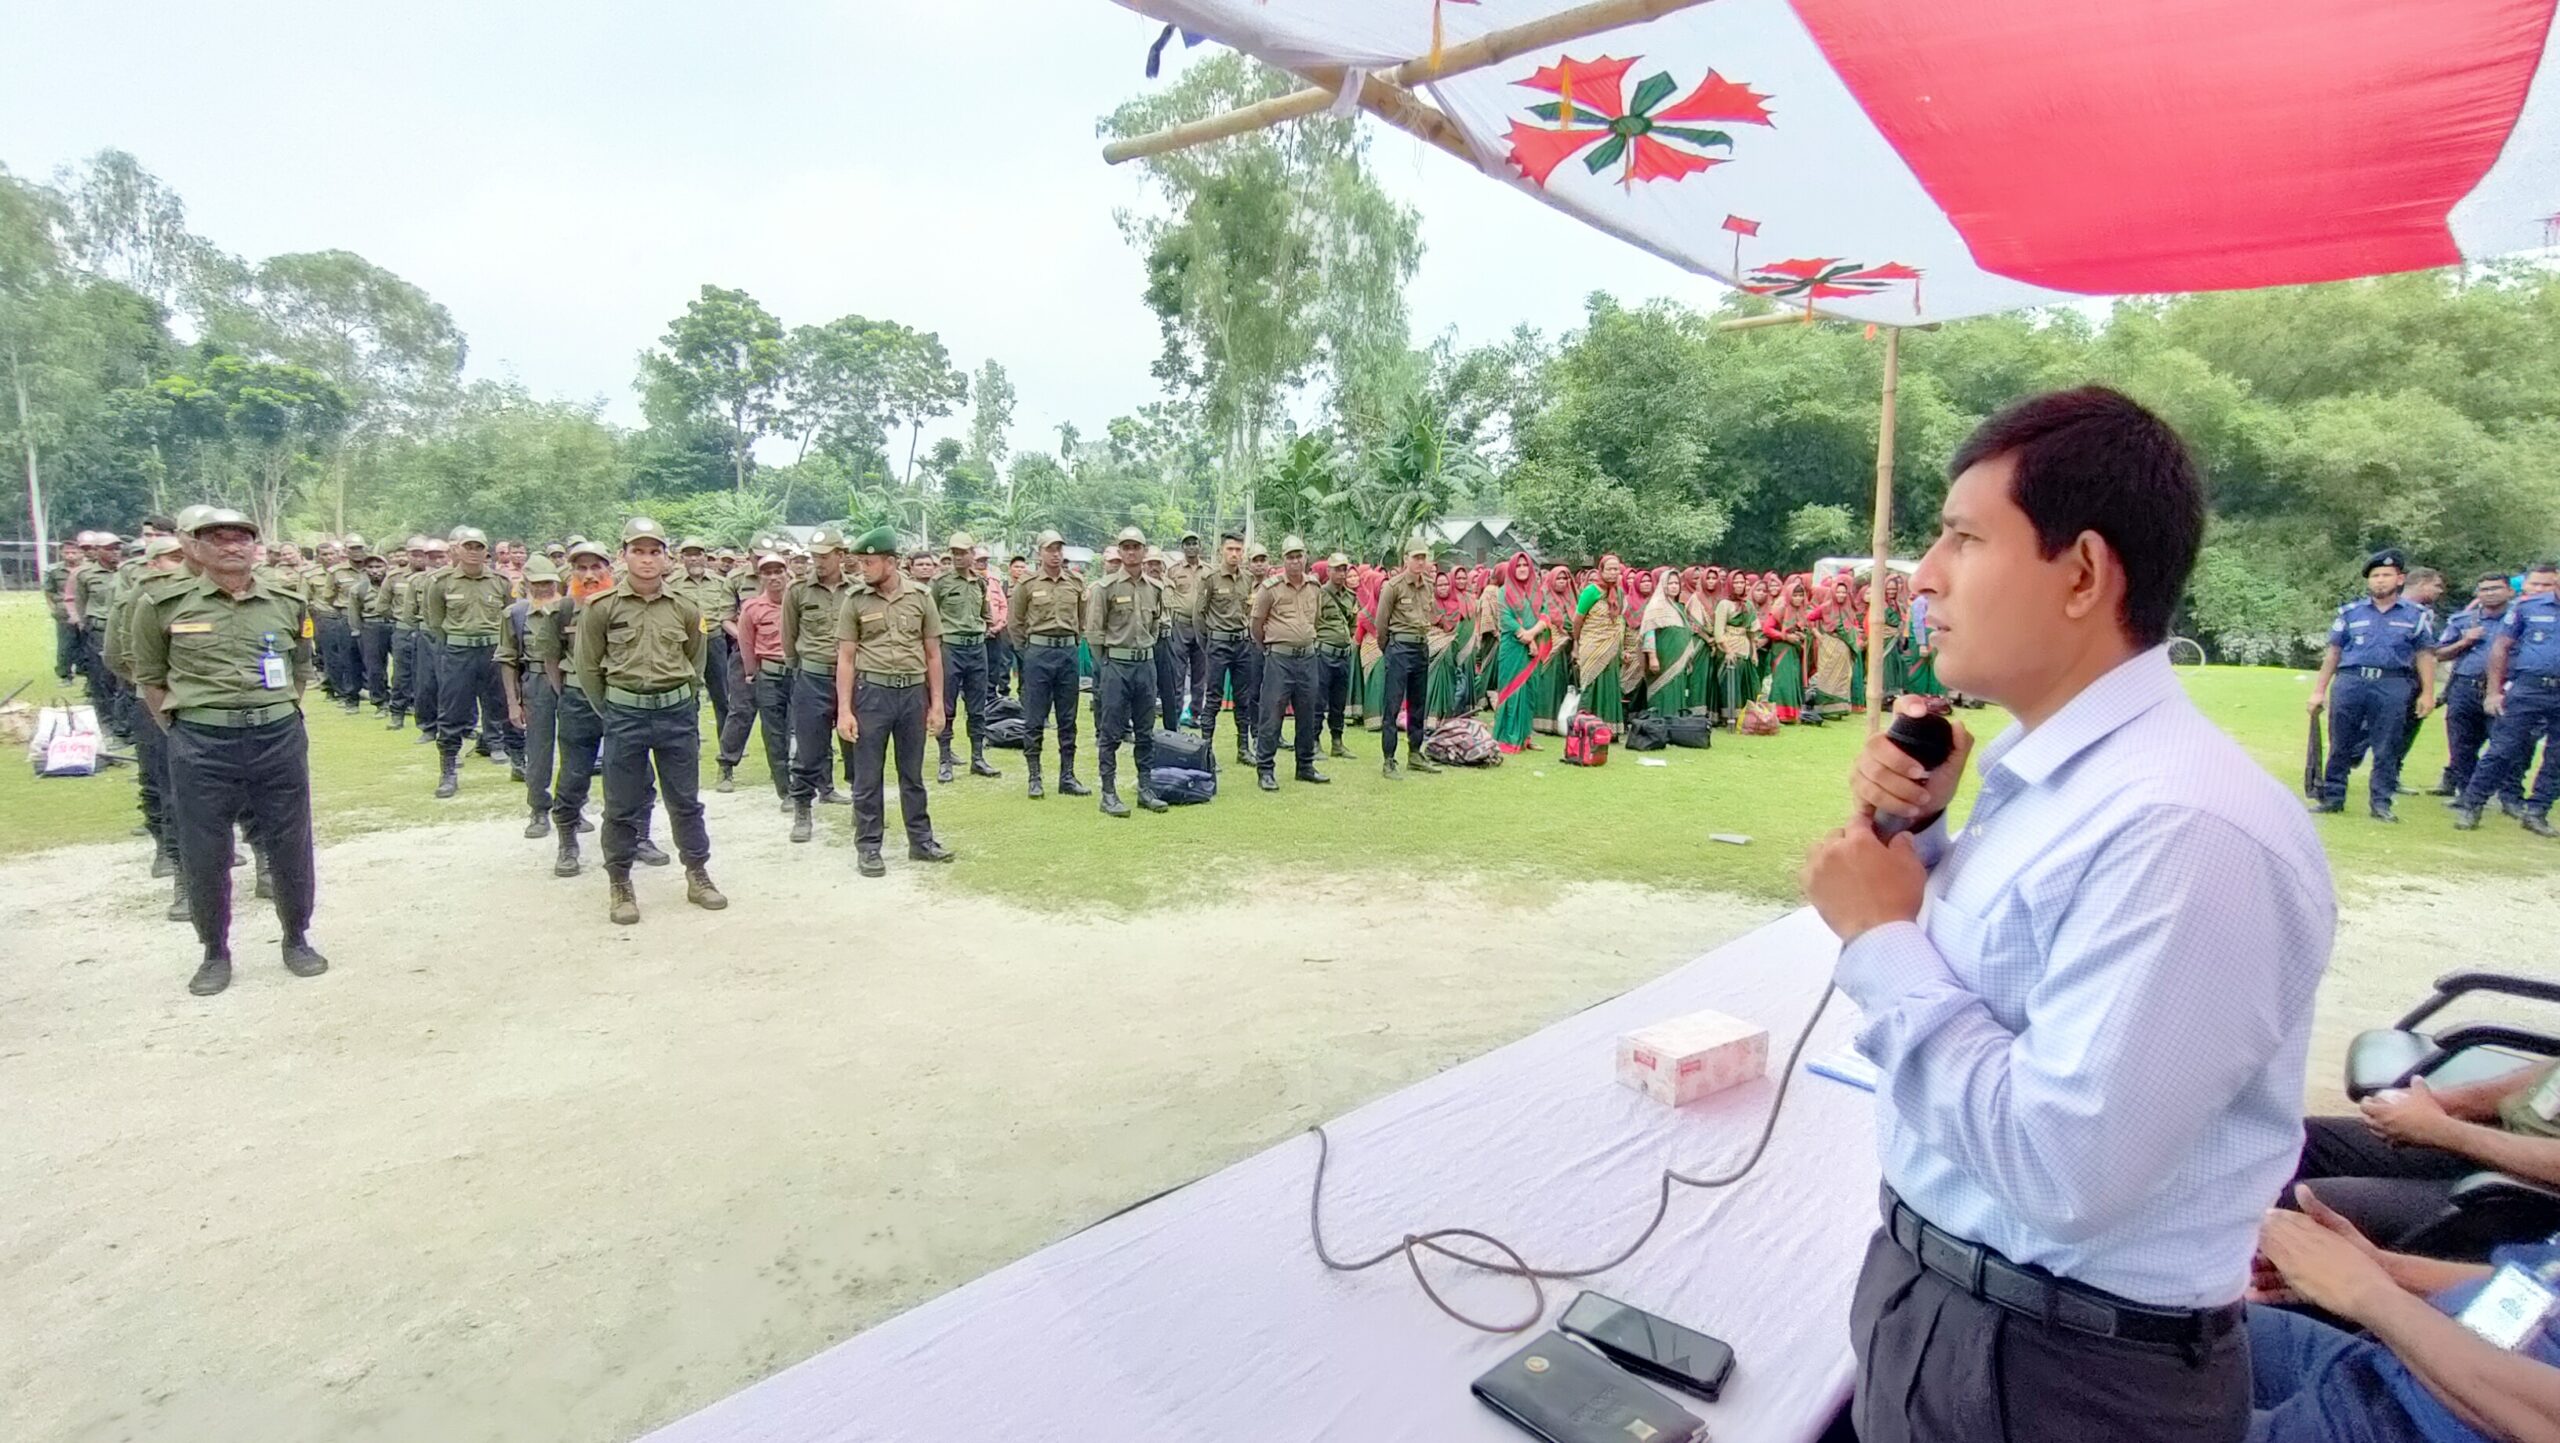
(724, 359)
(991, 419)
(922, 386)
(836, 384)
(282, 419)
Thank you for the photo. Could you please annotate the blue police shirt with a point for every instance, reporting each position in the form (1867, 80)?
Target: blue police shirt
(2434, 1421)
(2388, 637)
(2474, 662)
(2533, 636)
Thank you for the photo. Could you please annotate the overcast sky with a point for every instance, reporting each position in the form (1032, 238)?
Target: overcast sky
(563, 176)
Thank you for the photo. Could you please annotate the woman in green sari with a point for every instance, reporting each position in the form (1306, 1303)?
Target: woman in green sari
(1896, 667)
(1920, 654)
(1782, 628)
(1670, 648)
(1698, 603)
(1733, 628)
(1370, 648)
(1600, 644)
(1832, 680)
(1449, 635)
(1522, 628)
(1555, 667)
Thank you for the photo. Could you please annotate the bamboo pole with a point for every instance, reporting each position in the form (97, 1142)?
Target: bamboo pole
(1560, 28)
(1883, 535)
(1774, 318)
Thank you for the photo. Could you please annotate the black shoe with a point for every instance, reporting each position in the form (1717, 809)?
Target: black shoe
(566, 863)
(943, 772)
(1068, 786)
(648, 855)
(397, 722)
(2441, 790)
(163, 865)
(1339, 750)
(868, 863)
(1033, 789)
(2466, 819)
(423, 737)
(2540, 825)
(1112, 806)
(539, 825)
(1310, 774)
(981, 767)
(727, 782)
(211, 977)
(584, 826)
(2404, 791)
(929, 850)
(264, 889)
(833, 798)
(1421, 763)
(2327, 809)
(2511, 807)
(2382, 812)
(1389, 769)
(1152, 802)
(1267, 782)
(302, 959)
(449, 783)
(801, 823)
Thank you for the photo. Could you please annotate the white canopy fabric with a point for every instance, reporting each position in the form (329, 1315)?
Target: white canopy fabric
(1904, 161)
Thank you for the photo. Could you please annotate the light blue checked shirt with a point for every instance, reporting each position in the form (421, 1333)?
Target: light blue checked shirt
(2092, 1042)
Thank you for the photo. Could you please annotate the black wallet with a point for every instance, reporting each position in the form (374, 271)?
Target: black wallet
(1561, 1391)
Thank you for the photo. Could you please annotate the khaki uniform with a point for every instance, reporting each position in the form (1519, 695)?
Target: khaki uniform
(1406, 614)
(1045, 616)
(639, 661)
(463, 617)
(1284, 623)
(810, 611)
(1124, 621)
(960, 603)
(891, 695)
(637, 645)
(889, 632)
(1286, 615)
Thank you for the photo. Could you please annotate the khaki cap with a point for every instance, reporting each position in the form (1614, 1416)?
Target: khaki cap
(1049, 539)
(159, 546)
(961, 541)
(692, 543)
(539, 567)
(1337, 560)
(1129, 534)
(1293, 545)
(218, 517)
(468, 535)
(641, 528)
(188, 516)
(824, 540)
(589, 548)
(1417, 547)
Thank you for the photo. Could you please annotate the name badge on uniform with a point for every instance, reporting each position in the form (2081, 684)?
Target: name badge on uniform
(306, 626)
(2509, 1310)
(190, 628)
(271, 673)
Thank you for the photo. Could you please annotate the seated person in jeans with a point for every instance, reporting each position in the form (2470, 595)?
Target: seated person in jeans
(2420, 1374)
(2389, 1170)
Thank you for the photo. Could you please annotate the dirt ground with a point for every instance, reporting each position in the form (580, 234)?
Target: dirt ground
(509, 1173)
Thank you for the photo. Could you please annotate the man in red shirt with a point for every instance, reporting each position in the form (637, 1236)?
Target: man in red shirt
(757, 629)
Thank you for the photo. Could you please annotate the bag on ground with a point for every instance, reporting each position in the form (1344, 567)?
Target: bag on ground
(1009, 732)
(1187, 751)
(1462, 742)
(65, 742)
(1759, 719)
(1695, 732)
(1586, 742)
(1182, 786)
(1647, 733)
(1004, 708)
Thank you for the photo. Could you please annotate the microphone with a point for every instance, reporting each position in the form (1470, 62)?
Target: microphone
(1928, 739)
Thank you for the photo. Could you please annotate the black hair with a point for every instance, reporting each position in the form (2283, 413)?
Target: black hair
(158, 522)
(1226, 536)
(2093, 459)
(2425, 573)
(2486, 577)
(2542, 566)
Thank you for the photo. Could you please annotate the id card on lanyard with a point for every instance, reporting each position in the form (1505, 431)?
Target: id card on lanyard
(271, 672)
(2511, 1308)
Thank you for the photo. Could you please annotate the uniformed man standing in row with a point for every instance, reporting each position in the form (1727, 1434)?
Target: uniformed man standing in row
(89, 606)
(709, 592)
(1124, 623)
(764, 682)
(1406, 613)
(1182, 586)
(57, 603)
(2462, 652)
(1222, 604)
(371, 616)
(639, 660)
(405, 595)
(810, 609)
(1285, 614)
(888, 692)
(331, 577)
(164, 569)
(960, 603)
(1169, 677)
(2380, 653)
(580, 728)
(2524, 695)
(463, 611)
(1047, 616)
(1334, 630)
(222, 662)
(530, 665)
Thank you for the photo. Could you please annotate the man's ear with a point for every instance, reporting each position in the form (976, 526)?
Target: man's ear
(2097, 576)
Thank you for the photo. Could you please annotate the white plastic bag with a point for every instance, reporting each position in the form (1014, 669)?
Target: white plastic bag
(66, 742)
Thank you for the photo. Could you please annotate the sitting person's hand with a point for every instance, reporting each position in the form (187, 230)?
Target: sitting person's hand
(2409, 1116)
(2319, 1266)
(2266, 1281)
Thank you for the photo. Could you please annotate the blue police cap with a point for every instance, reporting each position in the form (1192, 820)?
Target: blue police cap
(2388, 556)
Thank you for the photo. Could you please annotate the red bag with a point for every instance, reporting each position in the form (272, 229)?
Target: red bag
(1586, 741)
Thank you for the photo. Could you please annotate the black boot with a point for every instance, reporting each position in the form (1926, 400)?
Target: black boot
(1068, 786)
(1152, 802)
(622, 907)
(2327, 809)
(515, 769)
(1310, 774)
(867, 861)
(539, 825)
(397, 722)
(1033, 789)
(2382, 811)
(2539, 823)
(2466, 819)
(649, 854)
(264, 888)
(302, 959)
(179, 910)
(728, 780)
(1339, 749)
(1112, 806)
(929, 850)
(566, 863)
(450, 782)
(979, 766)
(801, 823)
(1266, 781)
(942, 773)
(164, 863)
(211, 977)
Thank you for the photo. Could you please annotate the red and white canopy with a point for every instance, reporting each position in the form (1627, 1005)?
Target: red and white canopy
(1902, 161)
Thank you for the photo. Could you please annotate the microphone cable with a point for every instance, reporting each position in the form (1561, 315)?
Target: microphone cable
(1511, 1263)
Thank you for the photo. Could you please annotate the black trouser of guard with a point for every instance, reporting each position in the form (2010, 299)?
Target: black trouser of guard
(719, 660)
(151, 749)
(541, 736)
(646, 752)
(1000, 664)
(1336, 683)
(1190, 661)
(499, 735)
(2532, 713)
(1295, 682)
(1049, 688)
(581, 737)
(1231, 667)
(404, 669)
(375, 649)
(2367, 712)
(1168, 665)
(887, 714)
(1124, 701)
(67, 643)
(427, 649)
(765, 704)
(258, 779)
(2467, 725)
(964, 678)
(814, 743)
(93, 671)
(1408, 665)
(331, 635)
(466, 677)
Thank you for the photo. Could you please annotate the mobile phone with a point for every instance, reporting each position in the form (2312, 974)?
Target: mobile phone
(1648, 1346)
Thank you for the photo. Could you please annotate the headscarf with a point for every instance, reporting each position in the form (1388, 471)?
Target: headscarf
(1662, 606)
(1520, 583)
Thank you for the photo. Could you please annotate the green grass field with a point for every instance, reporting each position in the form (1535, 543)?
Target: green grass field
(1531, 824)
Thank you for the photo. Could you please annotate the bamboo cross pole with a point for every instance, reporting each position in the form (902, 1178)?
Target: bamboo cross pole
(1883, 534)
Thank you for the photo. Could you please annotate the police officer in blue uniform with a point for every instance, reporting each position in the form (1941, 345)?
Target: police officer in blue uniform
(2524, 696)
(2381, 658)
(2462, 648)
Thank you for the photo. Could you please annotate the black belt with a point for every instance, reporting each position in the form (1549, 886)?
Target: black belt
(235, 718)
(1226, 636)
(1047, 640)
(2034, 1293)
(2380, 673)
(471, 643)
(2538, 683)
(890, 678)
(964, 638)
(1274, 650)
(1129, 653)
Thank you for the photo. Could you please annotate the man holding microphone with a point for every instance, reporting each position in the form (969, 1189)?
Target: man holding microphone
(2090, 1006)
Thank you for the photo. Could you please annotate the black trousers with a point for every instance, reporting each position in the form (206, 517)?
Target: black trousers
(581, 736)
(1190, 659)
(404, 669)
(1231, 669)
(66, 650)
(151, 750)
(1000, 665)
(648, 751)
(1336, 683)
(330, 633)
(2386, 1190)
(2532, 715)
(1295, 682)
(2466, 730)
(93, 670)
(428, 650)
(499, 735)
(1408, 665)
(1168, 665)
(1049, 690)
(257, 779)
(2367, 712)
(467, 680)
(814, 742)
(541, 736)
(719, 665)
(1124, 702)
(375, 648)
(887, 715)
(964, 679)
(767, 704)
(1937, 1365)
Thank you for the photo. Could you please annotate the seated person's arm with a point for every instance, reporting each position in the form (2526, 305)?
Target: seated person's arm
(2417, 1117)
(2480, 1101)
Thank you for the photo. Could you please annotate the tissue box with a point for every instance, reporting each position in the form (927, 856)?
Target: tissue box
(1686, 1058)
